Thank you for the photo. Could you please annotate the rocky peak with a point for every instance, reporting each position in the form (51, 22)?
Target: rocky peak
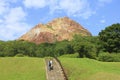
(56, 30)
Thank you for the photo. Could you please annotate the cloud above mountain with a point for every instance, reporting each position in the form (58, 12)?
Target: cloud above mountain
(12, 21)
(70, 7)
(14, 13)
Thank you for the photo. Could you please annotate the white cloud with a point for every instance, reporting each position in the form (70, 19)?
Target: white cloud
(102, 21)
(35, 3)
(1, 21)
(13, 18)
(71, 6)
(4, 7)
(12, 23)
(15, 15)
(12, 31)
(103, 2)
(53, 6)
(87, 13)
(79, 8)
(74, 8)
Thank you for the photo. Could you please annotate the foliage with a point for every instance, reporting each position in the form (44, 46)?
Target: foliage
(110, 38)
(19, 55)
(84, 46)
(45, 49)
(63, 47)
(107, 57)
(85, 50)
(75, 55)
(12, 48)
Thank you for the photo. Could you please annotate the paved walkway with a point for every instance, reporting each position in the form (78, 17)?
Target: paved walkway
(56, 73)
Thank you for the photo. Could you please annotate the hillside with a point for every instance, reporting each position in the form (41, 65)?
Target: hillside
(56, 30)
(26, 68)
(88, 69)
(22, 68)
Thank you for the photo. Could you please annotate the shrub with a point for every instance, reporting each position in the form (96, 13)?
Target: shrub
(107, 57)
(75, 55)
(85, 49)
(19, 55)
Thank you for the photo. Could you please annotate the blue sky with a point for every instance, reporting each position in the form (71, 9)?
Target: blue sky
(19, 16)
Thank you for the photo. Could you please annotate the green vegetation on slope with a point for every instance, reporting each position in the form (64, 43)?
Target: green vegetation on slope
(88, 69)
(104, 47)
(22, 68)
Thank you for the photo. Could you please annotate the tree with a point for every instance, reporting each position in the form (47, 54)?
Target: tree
(85, 49)
(85, 46)
(45, 49)
(110, 38)
(12, 48)
(63, 47)
(2, 48)
(8, 49)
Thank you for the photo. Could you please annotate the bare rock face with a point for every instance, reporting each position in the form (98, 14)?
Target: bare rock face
(57, 30)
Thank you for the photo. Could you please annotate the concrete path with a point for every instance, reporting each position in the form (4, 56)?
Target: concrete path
(56, 73)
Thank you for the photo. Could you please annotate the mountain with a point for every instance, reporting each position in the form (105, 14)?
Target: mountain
(56, 30)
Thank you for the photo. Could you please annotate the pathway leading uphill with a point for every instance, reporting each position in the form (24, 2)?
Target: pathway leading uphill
(56, 73)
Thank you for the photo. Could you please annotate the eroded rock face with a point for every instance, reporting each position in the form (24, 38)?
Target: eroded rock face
(57, 30)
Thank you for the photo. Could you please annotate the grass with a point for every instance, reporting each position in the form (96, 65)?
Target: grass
(22, 68)
(26, 68)
(88, 69)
